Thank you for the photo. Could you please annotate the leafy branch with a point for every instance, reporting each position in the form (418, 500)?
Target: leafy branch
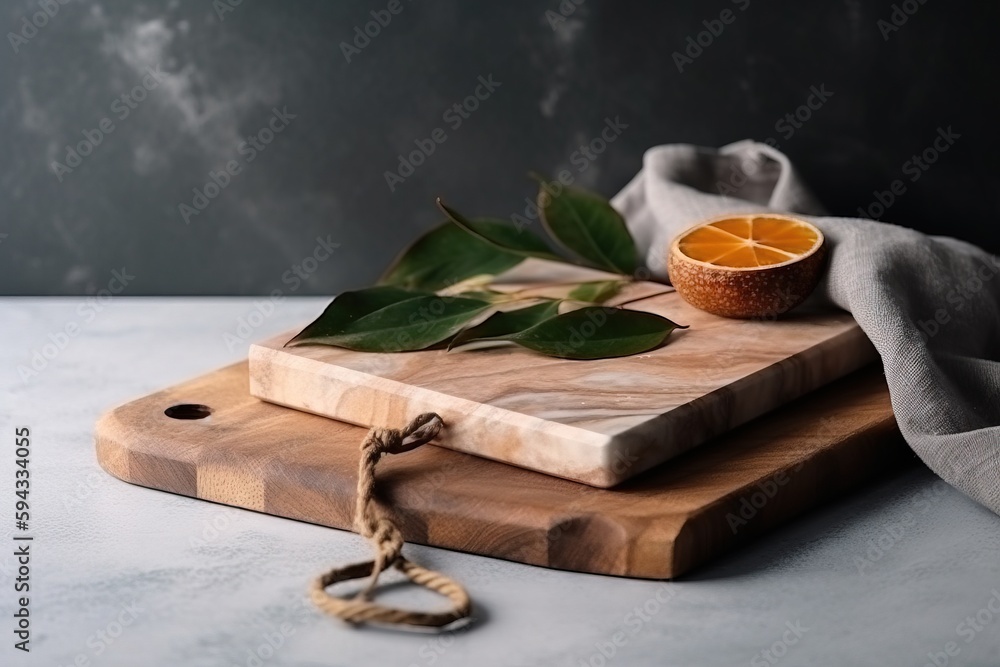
(439, 291)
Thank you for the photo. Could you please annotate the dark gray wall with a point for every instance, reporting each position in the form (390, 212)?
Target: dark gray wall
(323, 174)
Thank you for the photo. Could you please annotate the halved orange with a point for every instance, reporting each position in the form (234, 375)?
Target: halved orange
(747, 266)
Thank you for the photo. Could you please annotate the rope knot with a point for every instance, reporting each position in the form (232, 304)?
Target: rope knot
(421, 430)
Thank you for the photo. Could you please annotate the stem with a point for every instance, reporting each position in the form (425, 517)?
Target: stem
(641, 298)
(568, 283)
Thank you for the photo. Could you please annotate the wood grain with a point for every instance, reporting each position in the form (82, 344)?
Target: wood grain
(260, 456)
(597, 422)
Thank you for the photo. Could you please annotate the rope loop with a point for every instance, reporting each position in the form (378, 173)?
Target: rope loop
(378, 527)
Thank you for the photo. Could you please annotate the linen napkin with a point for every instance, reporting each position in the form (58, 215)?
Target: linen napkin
(930, 305)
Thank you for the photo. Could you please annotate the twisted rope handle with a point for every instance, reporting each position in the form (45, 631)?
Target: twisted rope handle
(377, 526)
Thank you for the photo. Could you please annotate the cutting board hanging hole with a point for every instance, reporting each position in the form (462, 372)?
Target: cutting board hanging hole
(188, 411)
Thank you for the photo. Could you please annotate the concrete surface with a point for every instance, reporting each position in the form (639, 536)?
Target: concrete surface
(122, 575)
(224, 66)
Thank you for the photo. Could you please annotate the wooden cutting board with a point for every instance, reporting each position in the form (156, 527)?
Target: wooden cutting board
(260, 456)
(597, 422)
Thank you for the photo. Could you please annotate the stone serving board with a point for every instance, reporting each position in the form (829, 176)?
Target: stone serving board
(597, 422)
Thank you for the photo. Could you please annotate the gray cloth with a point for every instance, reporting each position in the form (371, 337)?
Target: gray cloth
(930, 305)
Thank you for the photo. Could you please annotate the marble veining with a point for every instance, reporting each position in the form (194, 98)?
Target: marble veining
(649, 408)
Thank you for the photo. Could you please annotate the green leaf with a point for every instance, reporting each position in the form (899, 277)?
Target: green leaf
(588, 226)
(505, 323)
(596, 291)
(596, 332)
(444, 256)
(389, 319)
(502, 235)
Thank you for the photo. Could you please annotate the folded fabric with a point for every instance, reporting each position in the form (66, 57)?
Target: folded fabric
(930, 305)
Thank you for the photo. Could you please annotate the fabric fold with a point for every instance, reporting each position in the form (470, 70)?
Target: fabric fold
(930, 305)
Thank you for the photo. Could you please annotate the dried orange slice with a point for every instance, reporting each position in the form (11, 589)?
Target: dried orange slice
(747, 266)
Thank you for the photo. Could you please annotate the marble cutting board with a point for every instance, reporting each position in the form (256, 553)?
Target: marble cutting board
(597, 422)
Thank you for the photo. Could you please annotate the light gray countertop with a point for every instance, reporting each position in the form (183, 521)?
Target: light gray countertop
(122, 575)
